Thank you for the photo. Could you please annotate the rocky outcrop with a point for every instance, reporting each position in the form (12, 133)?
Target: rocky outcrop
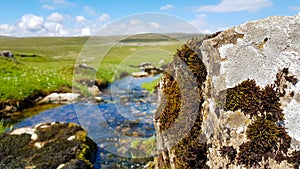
(7, 53)
(55, 145)
(239, 106)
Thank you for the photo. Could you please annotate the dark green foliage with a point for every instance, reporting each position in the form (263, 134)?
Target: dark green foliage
(270, 104)
(229, 152)
(55, 153)
(184, 95)
(252, 100)
(193, 62)
(266, 137)
(264, 133)
(62, 131)
(6, 163)
(191, 153)
(12, 143)
(13, 148)
(244, 96)
(249, 155)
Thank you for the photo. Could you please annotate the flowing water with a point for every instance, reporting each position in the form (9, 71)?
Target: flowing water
(122, 125)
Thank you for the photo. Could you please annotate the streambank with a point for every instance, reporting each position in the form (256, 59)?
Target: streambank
(122, 126)
(12, 109)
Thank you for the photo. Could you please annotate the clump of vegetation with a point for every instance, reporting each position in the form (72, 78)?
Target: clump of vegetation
(151, 86)
(2, 127)
(19, 151)
(244, 96)
(266, 137)
(228, 152)
(182, 89)
(254, 101)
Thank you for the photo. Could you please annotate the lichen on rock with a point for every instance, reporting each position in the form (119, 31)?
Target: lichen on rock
(246, 99)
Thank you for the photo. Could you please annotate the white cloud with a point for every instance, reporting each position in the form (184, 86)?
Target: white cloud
(104, 17)
(154, 25)
(135, 22)
(55, 17)
(54, 29)
(236, 5)
(199, 21)
(31, 22)
(80, 19)
(88, 10)
(85, 31)
(63, 2)
(7, 29)
(167, 7)
(54, 4)
(49, 7)
(203, 26)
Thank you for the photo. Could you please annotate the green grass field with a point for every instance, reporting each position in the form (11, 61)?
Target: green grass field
(46, 63)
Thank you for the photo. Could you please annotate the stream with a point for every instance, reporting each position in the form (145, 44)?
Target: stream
(122, 125)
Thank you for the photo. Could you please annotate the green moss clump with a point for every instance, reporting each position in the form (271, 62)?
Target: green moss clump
(19, 151)
(270, 104)
(12, 144)
(228, 152)
(52, 154)
(266, 137)
(264, 133)
(182, 88)
(57, 131)
(249, 155)
(244, 96)
(192, 153)
(254, 101)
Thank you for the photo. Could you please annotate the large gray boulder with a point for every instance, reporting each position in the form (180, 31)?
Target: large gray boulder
(248, 96)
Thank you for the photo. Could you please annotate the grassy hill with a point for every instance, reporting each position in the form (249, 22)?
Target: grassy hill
(46, 63)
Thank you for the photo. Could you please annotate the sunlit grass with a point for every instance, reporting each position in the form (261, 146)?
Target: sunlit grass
(45, 64)
(150, 86)
(18, 81)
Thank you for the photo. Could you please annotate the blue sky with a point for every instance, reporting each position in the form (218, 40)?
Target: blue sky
(86, 17)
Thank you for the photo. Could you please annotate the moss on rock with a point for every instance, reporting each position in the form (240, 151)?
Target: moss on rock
(267, 138)
(55, 145)
(182, 88)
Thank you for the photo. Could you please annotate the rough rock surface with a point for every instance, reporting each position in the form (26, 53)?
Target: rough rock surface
(55, 145)
(60, 98)
(249, 100)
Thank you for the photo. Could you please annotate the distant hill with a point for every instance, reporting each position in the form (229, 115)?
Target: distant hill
(150, 37)
(44, 46)
(70, 47)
